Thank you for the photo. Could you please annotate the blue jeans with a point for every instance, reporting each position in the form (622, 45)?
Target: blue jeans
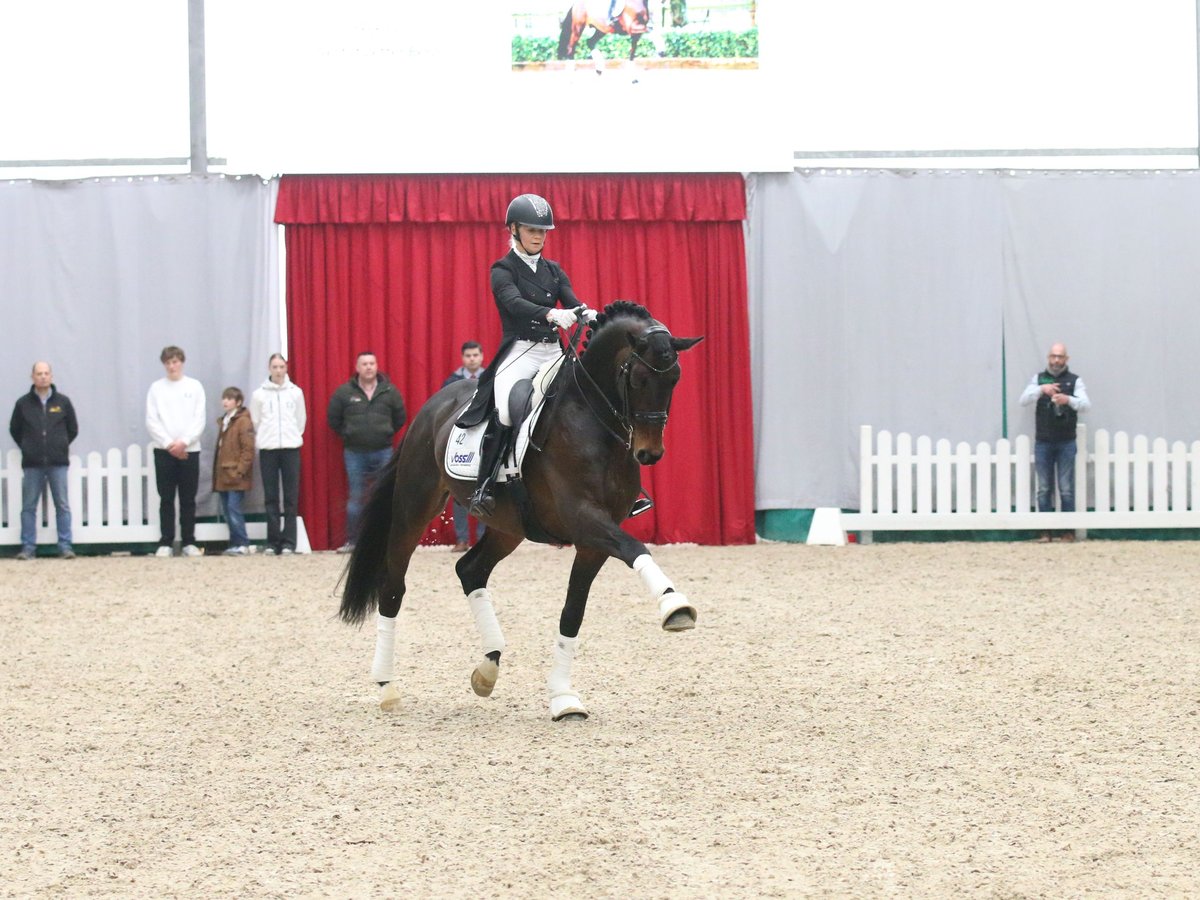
(361, 466)
(231, 509)
(462, 528)
(32, 486)
(1048, 456)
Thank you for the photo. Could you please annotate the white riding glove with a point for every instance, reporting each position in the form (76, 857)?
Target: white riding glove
(587, 316)
(561, 318)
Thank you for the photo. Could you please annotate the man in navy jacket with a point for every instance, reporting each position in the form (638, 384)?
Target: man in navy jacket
(43, 425)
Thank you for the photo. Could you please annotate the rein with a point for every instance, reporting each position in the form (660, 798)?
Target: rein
(624, 418)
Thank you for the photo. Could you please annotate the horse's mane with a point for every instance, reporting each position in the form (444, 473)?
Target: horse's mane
(618, 309)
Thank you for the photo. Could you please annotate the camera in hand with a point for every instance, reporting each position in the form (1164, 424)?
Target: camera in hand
(1059, 411)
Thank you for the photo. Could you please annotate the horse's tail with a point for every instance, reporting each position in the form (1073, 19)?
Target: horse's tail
(564, 37)
(366, 573)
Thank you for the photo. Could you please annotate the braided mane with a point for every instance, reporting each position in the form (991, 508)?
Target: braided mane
(616, 310)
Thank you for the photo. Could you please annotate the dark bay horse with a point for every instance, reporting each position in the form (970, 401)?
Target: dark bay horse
(631, 18)
(604, 417)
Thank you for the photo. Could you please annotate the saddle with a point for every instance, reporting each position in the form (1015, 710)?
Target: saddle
(525, 404)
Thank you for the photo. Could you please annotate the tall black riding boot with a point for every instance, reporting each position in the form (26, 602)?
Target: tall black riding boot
(491, 455)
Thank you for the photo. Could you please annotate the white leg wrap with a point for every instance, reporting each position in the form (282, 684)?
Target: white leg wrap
(652, 576)
(559, 679)
(563, 699)
(486, 622)
(385, 649)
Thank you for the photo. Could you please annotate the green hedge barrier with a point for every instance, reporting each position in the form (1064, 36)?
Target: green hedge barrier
(677, 45)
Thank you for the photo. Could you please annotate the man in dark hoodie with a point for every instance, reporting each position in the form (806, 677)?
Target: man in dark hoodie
(43, 425)
(365, 412)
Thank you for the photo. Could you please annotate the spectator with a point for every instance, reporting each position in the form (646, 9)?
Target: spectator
(175, 420)
(1060, 396)
(470, 370)
(279, 415)
(43, 425)
(365, 412)
(232, 464)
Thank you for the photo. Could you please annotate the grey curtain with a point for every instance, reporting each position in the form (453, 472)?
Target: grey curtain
(97, 276)
(885, 299)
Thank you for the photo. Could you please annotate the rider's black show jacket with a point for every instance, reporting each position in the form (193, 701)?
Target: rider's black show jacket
(523, 297)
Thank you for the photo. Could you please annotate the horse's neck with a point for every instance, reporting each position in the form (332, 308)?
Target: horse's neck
(602, 361)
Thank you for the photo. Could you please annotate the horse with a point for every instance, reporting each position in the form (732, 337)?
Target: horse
(633, 19)
(604, 417)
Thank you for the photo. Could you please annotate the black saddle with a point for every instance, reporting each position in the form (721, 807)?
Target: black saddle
(520, 401)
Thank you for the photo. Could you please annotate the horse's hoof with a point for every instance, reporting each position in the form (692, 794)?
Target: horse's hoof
(567, 706)
(680, 620)
(483, 679)
(676, 612)
(389, 698)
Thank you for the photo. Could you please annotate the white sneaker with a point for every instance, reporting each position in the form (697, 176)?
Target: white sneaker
(286, 551)
(192, 550)
(268, 551)
(164, 552)
(346, 548)
(236, 551)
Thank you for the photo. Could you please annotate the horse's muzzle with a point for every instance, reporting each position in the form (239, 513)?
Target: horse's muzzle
(648, 457)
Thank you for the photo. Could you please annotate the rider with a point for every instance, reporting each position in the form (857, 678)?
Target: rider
(527, 288)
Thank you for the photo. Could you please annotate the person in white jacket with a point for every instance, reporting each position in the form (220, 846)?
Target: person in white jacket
(279, 416)
(175, 418)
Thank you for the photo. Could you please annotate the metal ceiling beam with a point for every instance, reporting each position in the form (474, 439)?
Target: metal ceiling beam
(1048, 151)
(197, 112)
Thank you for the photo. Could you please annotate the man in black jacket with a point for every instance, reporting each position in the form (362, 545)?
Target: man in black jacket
(43, 425)
(365, 412)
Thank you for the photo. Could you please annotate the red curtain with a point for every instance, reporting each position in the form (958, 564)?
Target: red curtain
(398, 265)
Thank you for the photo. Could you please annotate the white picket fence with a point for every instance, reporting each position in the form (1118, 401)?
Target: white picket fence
(113, 499)
(923, 486)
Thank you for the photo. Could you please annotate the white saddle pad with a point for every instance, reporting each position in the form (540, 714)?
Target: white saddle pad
(462, 450)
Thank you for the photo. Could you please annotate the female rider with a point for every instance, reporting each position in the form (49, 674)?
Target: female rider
(527, 288)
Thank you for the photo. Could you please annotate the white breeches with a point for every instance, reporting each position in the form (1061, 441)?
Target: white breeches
(523, 361)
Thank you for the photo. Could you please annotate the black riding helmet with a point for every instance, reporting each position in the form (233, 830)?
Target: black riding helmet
(530, 210)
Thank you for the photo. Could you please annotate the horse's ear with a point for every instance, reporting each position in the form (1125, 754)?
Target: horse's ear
(680, 344)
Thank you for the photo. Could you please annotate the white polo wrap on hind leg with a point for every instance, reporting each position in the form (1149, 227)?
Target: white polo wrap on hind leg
(385, 649)
(486, 622)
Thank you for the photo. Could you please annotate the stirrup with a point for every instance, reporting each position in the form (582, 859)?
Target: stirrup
(640, 505)
(482, 502)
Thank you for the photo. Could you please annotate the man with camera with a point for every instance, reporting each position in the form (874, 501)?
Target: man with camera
(1060, 396)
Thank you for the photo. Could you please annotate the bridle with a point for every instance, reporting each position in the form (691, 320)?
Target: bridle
(624, 418)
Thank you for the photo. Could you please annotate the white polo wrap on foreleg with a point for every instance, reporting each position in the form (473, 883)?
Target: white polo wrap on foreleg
(563, 699)
(558, 682)
(385, 649)
(485, 620)
(652, 576)
(670, 601)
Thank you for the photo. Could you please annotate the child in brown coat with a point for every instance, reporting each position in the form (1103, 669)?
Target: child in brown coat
(232, 467)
